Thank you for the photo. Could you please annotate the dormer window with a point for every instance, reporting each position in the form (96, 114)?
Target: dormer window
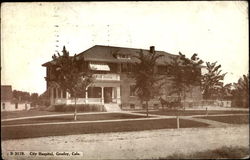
(123, 56)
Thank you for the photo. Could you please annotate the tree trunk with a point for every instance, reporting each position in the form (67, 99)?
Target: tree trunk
(75, 110)
(177, 114)
(147, 107)
(178, 121)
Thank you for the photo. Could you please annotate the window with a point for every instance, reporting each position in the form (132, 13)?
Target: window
(113, 67)
(123, 56)
(132, 106)
(132, 90)
(16, 105)
(3, 105)
(124, 67)
(156, 105)
(54, 92)
(131, 67)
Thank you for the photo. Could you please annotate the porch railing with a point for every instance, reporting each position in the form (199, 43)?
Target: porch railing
(115, 77)
(78, 101)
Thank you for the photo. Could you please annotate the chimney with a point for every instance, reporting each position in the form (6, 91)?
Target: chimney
(152, 49)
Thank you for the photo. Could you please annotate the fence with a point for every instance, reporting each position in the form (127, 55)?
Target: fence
(201, 103)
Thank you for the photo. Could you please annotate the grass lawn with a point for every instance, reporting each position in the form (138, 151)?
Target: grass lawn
(84, 128)
(194, 112)
(235, 119)
(70, 118)
(16, 114)
(220, 153)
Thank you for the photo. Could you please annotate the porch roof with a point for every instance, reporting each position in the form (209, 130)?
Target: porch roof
(99, 67)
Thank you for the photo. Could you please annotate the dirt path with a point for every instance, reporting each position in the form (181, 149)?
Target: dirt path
(136, 145)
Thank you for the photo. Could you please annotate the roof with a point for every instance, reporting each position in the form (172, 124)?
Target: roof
(6, 93)
(50, 63)
(106, 54)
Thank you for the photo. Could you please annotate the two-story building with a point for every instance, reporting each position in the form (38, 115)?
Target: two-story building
(113, 84)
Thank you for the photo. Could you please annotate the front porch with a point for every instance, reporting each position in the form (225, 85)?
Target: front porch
(93, 95)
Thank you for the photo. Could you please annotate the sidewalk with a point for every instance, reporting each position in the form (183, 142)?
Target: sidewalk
(137, 144)
(152, 117)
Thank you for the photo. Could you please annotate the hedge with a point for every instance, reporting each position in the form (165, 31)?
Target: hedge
(80, 108)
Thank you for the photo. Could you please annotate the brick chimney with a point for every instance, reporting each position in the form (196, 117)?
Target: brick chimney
(152, 49)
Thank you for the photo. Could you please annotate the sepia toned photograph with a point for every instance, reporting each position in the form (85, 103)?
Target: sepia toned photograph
(124, 80)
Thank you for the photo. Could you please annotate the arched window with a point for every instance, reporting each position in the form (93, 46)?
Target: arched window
(3, 105)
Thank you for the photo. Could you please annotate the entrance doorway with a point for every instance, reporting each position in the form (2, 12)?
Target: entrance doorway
(107, 94)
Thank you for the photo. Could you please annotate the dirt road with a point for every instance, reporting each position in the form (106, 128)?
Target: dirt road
(135, 145)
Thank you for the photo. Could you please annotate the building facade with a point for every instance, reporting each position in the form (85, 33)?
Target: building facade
(8, 103)
(113, 85)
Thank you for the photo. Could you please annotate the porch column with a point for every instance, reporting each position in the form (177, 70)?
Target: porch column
(51, 95)
(56, 93)
(113, 94)
(67, 95)
(102, 95)
(118, 91)
(61, 93)
(86, 95)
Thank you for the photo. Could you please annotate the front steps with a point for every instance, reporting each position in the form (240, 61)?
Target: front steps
(112, 107)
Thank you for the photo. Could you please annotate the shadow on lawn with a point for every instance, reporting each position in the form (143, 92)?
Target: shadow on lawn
(235, 119)
(102, 127)
(223, 152)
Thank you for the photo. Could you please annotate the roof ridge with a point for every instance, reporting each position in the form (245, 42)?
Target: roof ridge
(128, 48)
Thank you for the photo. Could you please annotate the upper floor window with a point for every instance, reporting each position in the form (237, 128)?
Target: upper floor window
(127, 67)
(124, 67)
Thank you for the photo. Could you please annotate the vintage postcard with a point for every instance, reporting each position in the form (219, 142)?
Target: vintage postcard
(125, 80)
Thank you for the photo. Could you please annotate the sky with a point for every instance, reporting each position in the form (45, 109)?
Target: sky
(31, 32)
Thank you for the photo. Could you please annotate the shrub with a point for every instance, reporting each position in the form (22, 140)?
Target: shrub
(80, 108)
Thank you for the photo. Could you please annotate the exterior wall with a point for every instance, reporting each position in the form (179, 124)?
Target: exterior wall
(126, 99)
(12, 106)
(121, 82)
(132, 102)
